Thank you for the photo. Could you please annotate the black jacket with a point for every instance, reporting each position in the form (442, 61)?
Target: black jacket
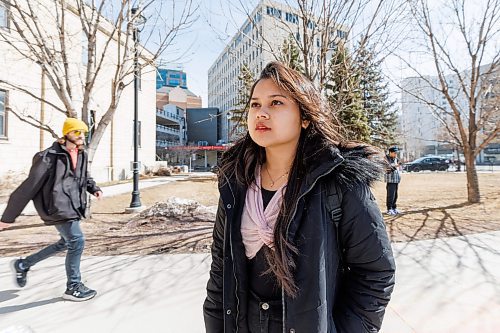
(58, 191)
(326, 303)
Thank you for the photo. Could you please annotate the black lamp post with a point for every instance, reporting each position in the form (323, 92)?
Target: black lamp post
(137, 25)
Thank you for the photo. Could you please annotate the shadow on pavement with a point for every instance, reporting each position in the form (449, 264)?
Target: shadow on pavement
(7, 295)
(14, 308)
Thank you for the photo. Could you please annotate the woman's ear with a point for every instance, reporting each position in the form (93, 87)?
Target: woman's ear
(305, 124)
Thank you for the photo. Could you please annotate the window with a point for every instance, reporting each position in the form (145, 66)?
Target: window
(274, 12)
(3, 114)
(257, 17)
(4, 15)
(311, 25)
(293, 18)
(341, 34)
(247, 29)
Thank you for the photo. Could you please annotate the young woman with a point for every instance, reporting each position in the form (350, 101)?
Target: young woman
(278, 263)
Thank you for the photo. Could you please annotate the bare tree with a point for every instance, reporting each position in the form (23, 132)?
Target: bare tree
(460, 39)
(47, 33)
(318, 26)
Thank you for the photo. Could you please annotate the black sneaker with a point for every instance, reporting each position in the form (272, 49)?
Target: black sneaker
(21, 274)
(79, 293)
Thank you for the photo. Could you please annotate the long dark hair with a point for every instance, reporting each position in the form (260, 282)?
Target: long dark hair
(241, 161)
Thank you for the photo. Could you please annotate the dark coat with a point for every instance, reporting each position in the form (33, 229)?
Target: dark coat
(57, 190)
(326, 302)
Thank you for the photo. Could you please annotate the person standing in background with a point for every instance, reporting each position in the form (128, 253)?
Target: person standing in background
(392, 178)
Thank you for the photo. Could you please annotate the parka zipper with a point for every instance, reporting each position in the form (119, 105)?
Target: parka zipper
(232, 255)
(288, 227)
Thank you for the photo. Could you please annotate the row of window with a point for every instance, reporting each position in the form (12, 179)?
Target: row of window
(289, 17)
(271, 11)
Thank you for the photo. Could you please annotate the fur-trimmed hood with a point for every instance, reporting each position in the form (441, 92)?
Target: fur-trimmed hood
(350, 163)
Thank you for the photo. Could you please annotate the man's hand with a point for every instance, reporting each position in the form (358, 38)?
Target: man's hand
(98, 195)
(4, 225)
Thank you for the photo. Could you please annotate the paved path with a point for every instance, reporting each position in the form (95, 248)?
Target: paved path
(118, 189)
(444, 285)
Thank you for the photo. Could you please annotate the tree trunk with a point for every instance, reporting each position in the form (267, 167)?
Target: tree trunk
(472, 181)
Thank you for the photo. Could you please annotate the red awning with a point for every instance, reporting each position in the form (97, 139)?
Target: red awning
(216, 148)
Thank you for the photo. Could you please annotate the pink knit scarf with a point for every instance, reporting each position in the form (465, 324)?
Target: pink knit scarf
(257, 224)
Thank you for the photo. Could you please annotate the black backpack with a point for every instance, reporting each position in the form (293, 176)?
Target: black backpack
(334, 210)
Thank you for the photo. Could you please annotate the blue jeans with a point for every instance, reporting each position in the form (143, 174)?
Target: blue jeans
(73, 240)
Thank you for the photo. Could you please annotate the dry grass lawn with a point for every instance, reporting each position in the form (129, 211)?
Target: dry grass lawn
(433, 205)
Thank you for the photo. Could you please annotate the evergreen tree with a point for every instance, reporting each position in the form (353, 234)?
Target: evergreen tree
(344, 96)
(239, 113)
(290, 54)
(382, 118)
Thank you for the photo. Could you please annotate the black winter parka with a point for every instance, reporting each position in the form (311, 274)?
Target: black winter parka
(328, 301)
(58, 191)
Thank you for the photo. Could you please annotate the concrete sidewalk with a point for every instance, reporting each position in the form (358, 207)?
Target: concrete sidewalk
(445, 285)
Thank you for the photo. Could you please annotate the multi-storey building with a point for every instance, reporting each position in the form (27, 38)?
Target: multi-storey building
(420, 126)
(425, 111)
(171, 129)
(182, 97)
(254, 45)
(172, 99)
(170, 78)
(114, 154)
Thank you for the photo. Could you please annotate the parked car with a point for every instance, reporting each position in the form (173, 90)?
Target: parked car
(431, 163)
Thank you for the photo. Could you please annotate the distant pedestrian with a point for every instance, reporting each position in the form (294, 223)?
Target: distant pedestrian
(299, 243)
(58, 183)
(392, 178)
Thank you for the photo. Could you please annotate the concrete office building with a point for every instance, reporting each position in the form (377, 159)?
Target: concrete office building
(420, 126)
(423, 132)
(271, 22)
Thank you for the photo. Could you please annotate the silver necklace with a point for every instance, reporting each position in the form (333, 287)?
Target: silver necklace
(271, 178)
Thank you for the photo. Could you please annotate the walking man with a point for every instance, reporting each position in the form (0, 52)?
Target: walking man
(57, 184)
(392, 178)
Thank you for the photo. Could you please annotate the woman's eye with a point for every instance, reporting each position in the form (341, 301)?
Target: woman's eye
(276, 102)
(254, 105)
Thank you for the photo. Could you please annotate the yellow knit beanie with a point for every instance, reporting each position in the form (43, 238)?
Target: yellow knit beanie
(73, 124)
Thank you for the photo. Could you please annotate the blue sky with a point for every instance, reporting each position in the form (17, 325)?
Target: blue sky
(199, 47)
(218, 21)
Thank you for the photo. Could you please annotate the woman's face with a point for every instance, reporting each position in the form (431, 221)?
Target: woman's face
(274, 117)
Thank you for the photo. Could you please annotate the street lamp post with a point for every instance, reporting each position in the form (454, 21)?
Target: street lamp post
(137, 24)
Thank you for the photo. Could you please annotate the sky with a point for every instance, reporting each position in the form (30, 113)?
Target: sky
(218, 21)
(197, 49)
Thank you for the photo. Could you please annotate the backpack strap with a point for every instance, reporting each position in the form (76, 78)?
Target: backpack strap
(334, 210)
